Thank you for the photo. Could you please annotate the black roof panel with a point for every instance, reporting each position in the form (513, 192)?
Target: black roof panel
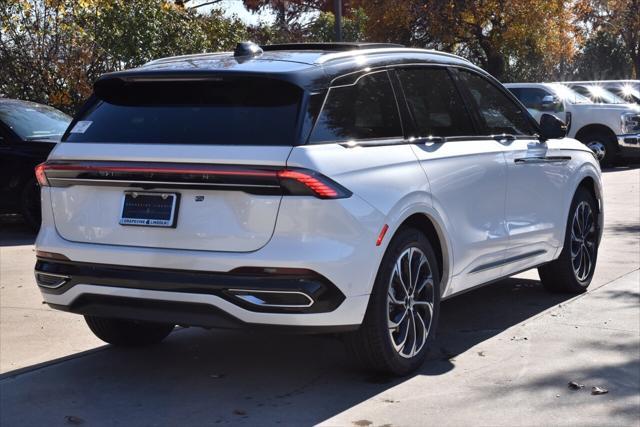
(312, 66)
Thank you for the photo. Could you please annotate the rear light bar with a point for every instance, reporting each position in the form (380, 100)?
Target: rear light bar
(250, 179)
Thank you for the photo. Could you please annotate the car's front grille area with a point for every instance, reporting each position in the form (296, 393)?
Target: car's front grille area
(633, 124)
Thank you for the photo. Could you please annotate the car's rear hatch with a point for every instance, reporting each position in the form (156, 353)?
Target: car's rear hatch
(176, 164)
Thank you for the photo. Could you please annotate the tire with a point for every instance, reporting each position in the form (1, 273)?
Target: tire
(605, 147)
(373, 344)
(569, 273)
(30, 204)
(128, 333)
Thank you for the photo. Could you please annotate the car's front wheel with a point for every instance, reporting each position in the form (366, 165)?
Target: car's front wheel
(573, 270)
(603, 146)
(128, 333)
(403, 308)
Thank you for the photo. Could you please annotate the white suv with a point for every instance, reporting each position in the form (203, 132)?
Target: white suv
(609, 129)
(320, 188)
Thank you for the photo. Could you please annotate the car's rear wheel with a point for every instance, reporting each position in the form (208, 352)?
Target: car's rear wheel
(128, 333)
(573, 270)
(403, 308)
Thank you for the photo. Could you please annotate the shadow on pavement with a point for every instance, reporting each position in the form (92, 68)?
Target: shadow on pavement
(14, 232)
(624, 165)
(199, 377)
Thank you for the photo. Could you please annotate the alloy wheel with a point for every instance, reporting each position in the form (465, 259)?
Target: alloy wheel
(599, 149)
(583, 241)
(410, 300)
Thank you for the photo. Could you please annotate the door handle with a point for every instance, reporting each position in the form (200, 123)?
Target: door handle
(504, 137)
(542, 159)
(426, 139)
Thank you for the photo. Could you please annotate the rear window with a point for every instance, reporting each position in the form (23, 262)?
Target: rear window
(229, 111)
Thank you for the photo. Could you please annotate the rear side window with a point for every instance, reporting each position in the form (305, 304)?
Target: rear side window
(365, 110)
(499, 113)
(434, 102)
(531, 98)
(229, 111)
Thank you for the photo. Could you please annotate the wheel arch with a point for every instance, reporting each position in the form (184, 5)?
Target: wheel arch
(434, 231)
(589, 184)
(589, 129)
(589, 178)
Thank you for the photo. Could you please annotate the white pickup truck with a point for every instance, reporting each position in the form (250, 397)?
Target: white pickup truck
(610, 130)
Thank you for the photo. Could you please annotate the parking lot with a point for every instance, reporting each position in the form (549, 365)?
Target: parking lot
(503, 356)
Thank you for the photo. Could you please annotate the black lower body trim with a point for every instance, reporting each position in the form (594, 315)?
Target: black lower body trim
(179, 313)
(507, 261)
(278, 286)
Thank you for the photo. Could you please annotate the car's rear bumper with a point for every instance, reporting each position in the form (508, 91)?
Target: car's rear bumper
(290, 299)
(336, 239)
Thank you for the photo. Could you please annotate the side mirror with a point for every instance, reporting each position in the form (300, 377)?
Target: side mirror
(552, 127)
(549, 103)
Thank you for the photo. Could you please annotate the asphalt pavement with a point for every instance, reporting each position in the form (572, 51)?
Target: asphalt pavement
(504, 356)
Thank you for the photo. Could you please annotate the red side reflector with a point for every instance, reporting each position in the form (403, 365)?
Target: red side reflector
(381, 235)
(318, 187)
(40, 175)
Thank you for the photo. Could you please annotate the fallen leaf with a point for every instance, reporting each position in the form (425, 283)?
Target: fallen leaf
(575, 386)
(595, 390)
(72, 419)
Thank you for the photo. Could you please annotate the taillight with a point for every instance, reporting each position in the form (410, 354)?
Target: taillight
(306, 182)
(41, 176)
(268, 180)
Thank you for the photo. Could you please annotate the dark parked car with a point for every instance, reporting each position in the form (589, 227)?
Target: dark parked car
(28, 133)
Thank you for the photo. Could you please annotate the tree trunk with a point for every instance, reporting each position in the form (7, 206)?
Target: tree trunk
(495, 65)
(495, 60)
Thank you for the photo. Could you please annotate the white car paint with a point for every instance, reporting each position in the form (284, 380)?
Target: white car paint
(495, 208)
(461, 187)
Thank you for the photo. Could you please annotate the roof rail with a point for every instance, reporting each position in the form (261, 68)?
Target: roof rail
(376, 50)
(339, 47)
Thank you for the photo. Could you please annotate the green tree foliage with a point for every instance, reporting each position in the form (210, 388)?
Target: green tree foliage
(52, 50)
(222, 33)
(45, 56)
(136, 31)
(505, 37)
(604, 56)
(318, 28)
(619, 18)
(322, 28)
